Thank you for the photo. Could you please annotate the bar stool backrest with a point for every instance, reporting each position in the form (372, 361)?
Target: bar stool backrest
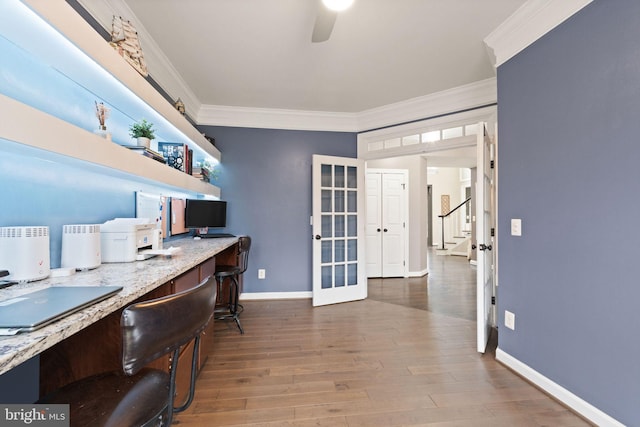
(244, 244)
(153, 328)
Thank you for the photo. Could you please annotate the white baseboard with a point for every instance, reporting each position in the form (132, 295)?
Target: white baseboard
(579, 405)
(254, 296)
(419, 273)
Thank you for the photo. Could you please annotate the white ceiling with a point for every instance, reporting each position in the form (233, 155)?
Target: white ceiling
(258, 53)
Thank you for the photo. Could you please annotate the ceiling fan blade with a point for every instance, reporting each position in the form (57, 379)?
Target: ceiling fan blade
(324, 25)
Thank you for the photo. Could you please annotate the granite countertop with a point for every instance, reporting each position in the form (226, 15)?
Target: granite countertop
(137, 278)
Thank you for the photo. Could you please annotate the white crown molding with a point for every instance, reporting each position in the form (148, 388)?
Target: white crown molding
(449, 101)
(272, 118)
(160, 68)
(574, 402)
(531, 21)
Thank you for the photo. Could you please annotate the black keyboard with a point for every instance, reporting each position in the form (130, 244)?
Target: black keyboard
(216, 235)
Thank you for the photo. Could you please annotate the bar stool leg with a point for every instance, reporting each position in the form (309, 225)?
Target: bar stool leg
(236, 297)
(233, 306)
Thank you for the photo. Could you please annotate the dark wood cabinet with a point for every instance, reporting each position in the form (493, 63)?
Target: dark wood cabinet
(207, 268)
(95, 349)
(98, 347)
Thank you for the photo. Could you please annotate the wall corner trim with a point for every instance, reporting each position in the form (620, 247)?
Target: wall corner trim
(531, 21)
(574, 402)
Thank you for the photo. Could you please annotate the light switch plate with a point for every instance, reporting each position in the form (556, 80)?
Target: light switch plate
(516, 227)
(509, 320)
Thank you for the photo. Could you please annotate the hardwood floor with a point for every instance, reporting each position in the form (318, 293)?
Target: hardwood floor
(403, 357)
(449, 288)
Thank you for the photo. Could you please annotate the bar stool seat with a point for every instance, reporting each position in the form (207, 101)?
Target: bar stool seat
(138, 395)
(231, 274)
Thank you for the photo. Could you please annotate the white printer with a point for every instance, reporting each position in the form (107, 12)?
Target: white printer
(122, 238)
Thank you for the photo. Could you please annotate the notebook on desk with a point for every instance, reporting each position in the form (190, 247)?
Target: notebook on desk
(36, 309)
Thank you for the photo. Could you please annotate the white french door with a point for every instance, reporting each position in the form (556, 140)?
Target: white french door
(338, 230)
(485, 197)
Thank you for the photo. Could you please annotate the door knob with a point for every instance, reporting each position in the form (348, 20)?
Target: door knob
(485, 247)
(378, 230)
(385, 230)
(318, 237)
(473, 246)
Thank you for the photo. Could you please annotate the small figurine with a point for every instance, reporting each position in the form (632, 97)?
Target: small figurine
(102, 113)
(179, 106)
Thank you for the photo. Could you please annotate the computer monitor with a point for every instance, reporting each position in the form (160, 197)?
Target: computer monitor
(200, 213)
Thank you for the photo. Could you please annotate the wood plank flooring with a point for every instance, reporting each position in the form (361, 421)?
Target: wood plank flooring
(366, 363)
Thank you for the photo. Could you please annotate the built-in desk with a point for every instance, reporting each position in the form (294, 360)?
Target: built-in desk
(92, 334)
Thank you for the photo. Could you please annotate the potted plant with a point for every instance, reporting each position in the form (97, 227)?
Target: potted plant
(143, 132)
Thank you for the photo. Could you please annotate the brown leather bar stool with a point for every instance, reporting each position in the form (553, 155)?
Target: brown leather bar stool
(140, 396)
(233, 309)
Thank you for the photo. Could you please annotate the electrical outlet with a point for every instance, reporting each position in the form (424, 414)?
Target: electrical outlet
(509, 320)
(262, 273)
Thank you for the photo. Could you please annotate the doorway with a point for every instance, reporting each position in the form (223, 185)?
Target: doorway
(437, 141)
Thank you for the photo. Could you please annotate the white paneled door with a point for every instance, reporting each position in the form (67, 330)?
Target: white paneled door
(338, 230)
(485, 196)
(386, 222)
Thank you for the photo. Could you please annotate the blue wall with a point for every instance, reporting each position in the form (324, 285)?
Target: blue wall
(266, 178)
(43, 189)
(569, 158)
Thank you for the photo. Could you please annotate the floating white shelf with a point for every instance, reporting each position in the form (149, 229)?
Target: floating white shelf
(57, 136)
(61, 138)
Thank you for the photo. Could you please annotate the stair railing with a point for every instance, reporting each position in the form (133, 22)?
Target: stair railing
(442, 217)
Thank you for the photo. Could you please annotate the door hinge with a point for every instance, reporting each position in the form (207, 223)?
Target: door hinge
(493, 232)
(493, 300)
(493, 164)
(403, 186)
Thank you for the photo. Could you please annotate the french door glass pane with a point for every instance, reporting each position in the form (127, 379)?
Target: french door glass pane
(339, 226)
(339, 255)
(339, 275)
(339, 176)
(326, 226)
(352, 225)
(352, 201)
(327, 276)
(352, 277)
(352, 177)
(339, 200)
(325, 172)
(352, 250)
(327, 253)
(326, 201)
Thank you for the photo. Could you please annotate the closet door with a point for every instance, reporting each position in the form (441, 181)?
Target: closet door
(393, 225)
(386, 223)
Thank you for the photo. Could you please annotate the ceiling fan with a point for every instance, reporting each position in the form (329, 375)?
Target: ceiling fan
(326, 18)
